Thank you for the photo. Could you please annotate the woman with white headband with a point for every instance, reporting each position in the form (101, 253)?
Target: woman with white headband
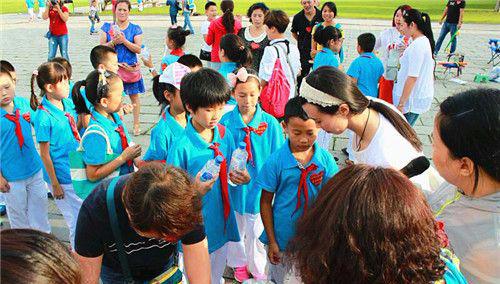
(382, 137)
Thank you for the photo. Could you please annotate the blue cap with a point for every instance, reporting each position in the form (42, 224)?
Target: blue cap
(242, 145)
(219, 159)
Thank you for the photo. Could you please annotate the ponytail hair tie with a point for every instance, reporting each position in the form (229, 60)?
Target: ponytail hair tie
(35, 72)
(242, 47)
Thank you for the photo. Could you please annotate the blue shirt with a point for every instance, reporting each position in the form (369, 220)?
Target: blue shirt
(165, 132)
(281, 176)
(52, 125)
(326, 57)
(368, 69)
(124, 54)
(174, 7)
(191, 153)
(18, 163)
(226, 68)
(266, 138)
(94, 145)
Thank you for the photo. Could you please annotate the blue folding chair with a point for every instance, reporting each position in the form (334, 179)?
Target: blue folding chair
(495, 51)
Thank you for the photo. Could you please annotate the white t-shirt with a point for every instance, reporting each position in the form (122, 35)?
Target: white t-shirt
(291, 70)
(388, 39)
(390, 149)
(416, 62)
(473, 229)
(204, 32)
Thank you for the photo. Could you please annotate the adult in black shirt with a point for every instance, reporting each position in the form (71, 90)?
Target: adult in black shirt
(155, 208)
(454, 13)
(302, 25)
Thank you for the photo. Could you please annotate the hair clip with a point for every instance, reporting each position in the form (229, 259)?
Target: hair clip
(35, 72)
(242, 76)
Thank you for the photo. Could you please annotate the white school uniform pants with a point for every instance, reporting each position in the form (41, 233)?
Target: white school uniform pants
(69, 207)
(27, 204)
(250, 251)
(218, 260)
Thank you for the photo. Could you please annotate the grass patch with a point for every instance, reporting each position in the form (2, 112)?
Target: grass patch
(477, 11)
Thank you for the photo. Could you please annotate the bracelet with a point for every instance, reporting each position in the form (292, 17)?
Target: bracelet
(152, 69)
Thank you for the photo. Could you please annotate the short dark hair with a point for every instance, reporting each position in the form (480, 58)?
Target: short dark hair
(190, 60)
(367, 42)
(99, 54)
(159, 89)
(204, 88)
(124, 1)
(331, 6)
(256, 6)
(293, 108)
(7, 66)
(210, 4)
(178, 36)
(277, 19)
(324, 34)
(65, 63)
(162, 200)
(31, 256)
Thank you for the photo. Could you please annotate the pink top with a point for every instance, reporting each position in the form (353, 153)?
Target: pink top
(216, 31)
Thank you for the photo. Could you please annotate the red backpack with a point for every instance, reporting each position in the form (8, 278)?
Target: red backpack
(275, 94)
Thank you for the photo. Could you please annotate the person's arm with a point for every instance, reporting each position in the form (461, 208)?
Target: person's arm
(103, 40)
(266, 212)
(210, 37)
(135, 46)
(461, 17)
(57, 190)
(64, 15)
(197, 262)
(45, 14)
(409, 84)
(4, 184)
(90, 268)
(445, 12)
(295, 36)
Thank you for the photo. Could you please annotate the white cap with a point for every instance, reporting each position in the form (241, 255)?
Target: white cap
(173, 74)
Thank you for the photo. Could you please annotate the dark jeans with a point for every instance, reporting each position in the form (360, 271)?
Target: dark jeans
(447, 28)
(58, 41)
(173, 19)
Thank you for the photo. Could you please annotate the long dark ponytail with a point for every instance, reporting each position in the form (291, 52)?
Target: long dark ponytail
(236, 50)
(336, 84)
(423, 22)
(227, 7)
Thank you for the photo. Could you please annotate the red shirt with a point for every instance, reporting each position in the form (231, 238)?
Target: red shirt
(216, 31)
(57, 26)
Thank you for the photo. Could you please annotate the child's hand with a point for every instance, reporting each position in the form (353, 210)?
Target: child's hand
(239, 177)
(131, 152)
(127, 108)
(148, 62)
(57, 191)
(4, 185)
(204, 186)
(274, 253)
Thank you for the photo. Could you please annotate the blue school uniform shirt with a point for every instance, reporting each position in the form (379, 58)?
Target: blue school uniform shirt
(171, 58)
(191, 153)
(165, 132)
(224, 70)
(18, 163)
(94, 145)
(326, 57)
(368, 69)
(52, 125)
(281, 176)
(266, 138)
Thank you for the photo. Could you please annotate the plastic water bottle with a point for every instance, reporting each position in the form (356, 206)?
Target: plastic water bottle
(239, 159)
(116, 30)
(144, 52)
(211, 169)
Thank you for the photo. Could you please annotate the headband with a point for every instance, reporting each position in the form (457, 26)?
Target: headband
(242, 76)
(318, 97)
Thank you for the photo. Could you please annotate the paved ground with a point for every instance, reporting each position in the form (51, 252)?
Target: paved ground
(23, 44)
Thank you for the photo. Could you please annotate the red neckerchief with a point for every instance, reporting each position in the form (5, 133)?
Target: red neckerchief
(177, 52)
(71, 120)
(123, 140)
(18, 130)
(223, 180)
(303, 186)
(259, 131)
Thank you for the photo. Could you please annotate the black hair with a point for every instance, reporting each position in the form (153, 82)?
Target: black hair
(99, 54)
(178, 36)
(7, 65)
(210, 4)
(124, 1)
(227, 8)
(65, 63)
(469, 126)
(335, 83)
(256, 6)
(324, 34)
(400, 8)
(277, 19)
(250, 71)
(293, 108)
(204, 88)
(423, 22)
(367, 42)
(5, 70)
(48, 73)
(93, 90)
(190, 60)
(236, 50)
(159, 89)
(331, 6)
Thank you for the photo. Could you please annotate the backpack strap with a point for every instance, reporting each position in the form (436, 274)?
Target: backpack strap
(115, 228)
(287, 59)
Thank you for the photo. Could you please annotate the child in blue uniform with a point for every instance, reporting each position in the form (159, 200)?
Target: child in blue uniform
(104, 91)
(57, 134)
(173, 120)
(21, 177)
(233, 54)
(176, 38)
(204, 94)
(263, 135)
(367, 69)
(298, 168)
(331, 39)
